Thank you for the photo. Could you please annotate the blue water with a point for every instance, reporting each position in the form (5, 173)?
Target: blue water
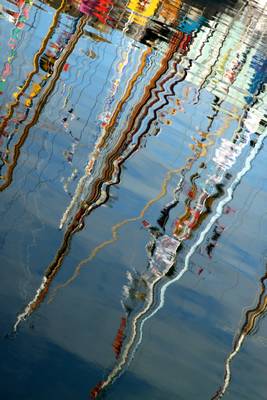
(133, 193)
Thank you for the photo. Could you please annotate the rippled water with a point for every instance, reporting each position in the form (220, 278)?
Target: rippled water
(133, 199)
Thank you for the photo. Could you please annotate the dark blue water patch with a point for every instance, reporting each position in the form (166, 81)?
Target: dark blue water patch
(206, 313)
(136, 388)
(36, 368)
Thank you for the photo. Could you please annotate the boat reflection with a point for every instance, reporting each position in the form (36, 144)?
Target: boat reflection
(252, 316)
(163, 47)
(51, 58)
(104, 166)
(141, 299)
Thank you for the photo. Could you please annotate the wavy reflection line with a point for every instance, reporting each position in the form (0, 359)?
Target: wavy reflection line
(167, 178)
(46, 65)
(134, 340)
(55, 265)
(201, 151)
(137, 110)
(131, 347)
(41, 291)
(126, 356)
(135, 115)
(251, 318)
(48, 90)
(217, 57)
(211, 68)
(103, 138)
(15, 40)
(98, 195)
(37, 55)
(218, 213)
(123, 142)
(115, 229)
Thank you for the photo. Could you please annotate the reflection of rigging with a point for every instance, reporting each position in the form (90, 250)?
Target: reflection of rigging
(106, 132)
(103, 117)
(132, 125)
(20, 19)
(253, 314)
(111, 169)
(251, 318)
(68, 118)
(163, 250)
(36, 88)
(164, 244)
(200, 150)
(36, 61)
(162, 253)
(217, 60)
(58, 60)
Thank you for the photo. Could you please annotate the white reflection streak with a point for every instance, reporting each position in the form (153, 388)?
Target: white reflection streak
(22, 316)
(118, 371)
(216, 216)
(227, 378)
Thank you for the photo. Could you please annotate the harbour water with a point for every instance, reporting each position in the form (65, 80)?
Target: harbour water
(133, 244)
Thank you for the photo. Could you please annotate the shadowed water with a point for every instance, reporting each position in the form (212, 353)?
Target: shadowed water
(133, 192)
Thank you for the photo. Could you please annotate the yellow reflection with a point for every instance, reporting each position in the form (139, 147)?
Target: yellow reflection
(143, 10)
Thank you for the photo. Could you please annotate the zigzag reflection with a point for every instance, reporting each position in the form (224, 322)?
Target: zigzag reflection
(252, 317)
(19, 20)
(164, 249)
(52, 62)
(116, 227)
(43, 99)
(109, 173)
(199, 150)
(11, 107)
(253, 314)
(107, 130)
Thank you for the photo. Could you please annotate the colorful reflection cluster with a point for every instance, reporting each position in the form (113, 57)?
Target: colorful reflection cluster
(217, 54)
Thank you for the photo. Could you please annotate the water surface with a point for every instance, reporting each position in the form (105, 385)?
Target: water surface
(133, 193)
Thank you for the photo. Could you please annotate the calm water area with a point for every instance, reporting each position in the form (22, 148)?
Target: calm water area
(133, 192)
